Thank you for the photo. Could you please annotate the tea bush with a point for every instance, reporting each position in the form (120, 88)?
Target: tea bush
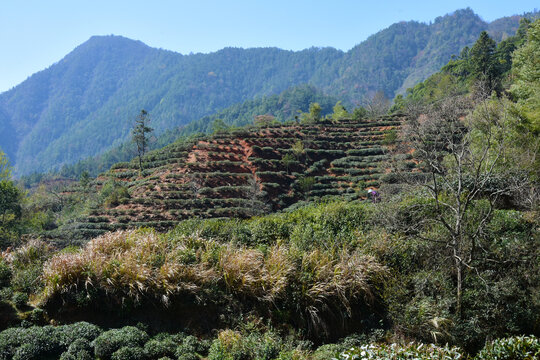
(29, 343)
(78, 331)
(113, 340)
(129, 353)
(512, 348)
(410, 351)
(80, 349)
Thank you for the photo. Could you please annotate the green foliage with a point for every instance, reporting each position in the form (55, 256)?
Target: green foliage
(526, 88)
(306, 183)
(483, 63)
(233, 345)
(29, 343)
(339, 112)
(513, 348)
(139, 135)
(10, 211)
(70, 334)
(483, 68)
(5, 168)
(219, 126)
(390, 138)
(26, 265)
(113, 193)
(402, 352)
(20, 299)
(359, 113)
(160, 347)
(111, 341)
(5, 274)
(129, 353)
(79, 349)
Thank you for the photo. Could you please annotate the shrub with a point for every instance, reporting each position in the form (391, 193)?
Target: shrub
(79, 349)
(78, 331)
(266, 346)
(249, 344)
(30, 343)
(5, 274)
(513, 348)
(26, 352)
(37, 316)
(10, 340)
(228, 346)
(157, 348)
(198, 346)
(113, 340)
(6, 294)
(328, 351)
(128, 353)
(184, 352)
(396, 351)
(112, 193)
(26, 262)
(20, 299)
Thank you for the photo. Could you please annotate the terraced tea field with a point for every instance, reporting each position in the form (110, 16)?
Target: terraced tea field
(247, 172)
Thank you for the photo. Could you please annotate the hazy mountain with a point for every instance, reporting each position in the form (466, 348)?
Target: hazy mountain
(86, 103)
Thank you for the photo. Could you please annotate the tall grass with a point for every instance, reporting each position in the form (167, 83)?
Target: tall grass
(141, 264)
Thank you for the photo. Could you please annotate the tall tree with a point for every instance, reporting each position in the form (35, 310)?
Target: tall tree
(140, 134)
(10, 203)
(340, 112)
(377, 105)
(461, 162)
(483, 62)
(314, 114)
(526, 68)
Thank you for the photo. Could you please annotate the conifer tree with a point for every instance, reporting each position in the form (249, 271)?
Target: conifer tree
(484, 66)
(140, 134)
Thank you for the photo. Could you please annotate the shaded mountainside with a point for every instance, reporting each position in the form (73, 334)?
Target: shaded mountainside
(246, 172)
(86, 103)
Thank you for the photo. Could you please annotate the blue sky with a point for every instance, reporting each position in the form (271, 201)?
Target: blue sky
(34, 34)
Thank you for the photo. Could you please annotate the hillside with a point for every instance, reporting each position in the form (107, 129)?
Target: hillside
(444, 264)
(242, 173)
(85, 103)
(283, 106)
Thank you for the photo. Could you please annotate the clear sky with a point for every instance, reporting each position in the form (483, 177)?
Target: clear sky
(34, 34)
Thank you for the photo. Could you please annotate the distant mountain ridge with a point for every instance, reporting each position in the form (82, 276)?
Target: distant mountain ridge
(86, 103)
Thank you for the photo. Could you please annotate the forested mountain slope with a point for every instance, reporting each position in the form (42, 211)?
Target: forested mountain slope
(86, 103)
(283, 106)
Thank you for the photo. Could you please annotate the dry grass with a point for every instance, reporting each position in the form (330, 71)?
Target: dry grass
(332, 282)
(137, 264)
(32, 251)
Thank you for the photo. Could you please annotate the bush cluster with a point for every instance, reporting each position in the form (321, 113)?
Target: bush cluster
(84, 341)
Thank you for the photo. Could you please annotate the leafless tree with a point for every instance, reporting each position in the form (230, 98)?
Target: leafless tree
(459, 154)
(255, 195)
(377, 105)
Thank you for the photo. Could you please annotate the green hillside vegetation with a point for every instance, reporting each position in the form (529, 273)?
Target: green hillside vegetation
(238, 173)
(85, 104)
(445, 264)
(282, 107)
(485, 60)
